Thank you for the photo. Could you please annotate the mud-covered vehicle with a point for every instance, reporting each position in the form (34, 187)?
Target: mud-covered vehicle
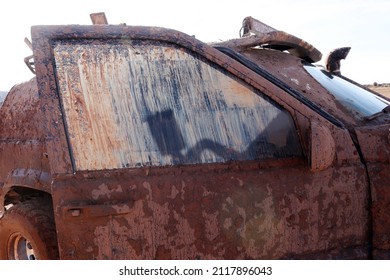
(145, 143)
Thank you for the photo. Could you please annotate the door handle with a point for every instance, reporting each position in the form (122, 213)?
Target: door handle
(96, 210)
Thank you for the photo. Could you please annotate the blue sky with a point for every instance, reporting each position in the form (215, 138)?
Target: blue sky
(362, 25)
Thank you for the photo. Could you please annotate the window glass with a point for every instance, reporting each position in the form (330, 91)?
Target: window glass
(351, 96)
(3, 94)
(139, 103)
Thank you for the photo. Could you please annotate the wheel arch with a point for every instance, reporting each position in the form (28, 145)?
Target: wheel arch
(22, 185)
(17, 194)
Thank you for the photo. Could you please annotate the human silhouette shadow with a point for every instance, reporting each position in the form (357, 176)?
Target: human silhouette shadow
(276, 140)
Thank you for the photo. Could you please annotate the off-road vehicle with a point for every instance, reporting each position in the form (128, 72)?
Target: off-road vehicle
(145, 143)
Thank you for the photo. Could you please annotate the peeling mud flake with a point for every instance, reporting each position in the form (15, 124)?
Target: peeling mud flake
(295, 81)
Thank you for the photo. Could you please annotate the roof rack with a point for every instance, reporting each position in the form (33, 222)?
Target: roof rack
(258, 34)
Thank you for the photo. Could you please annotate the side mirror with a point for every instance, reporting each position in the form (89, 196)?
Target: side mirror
(322, 147)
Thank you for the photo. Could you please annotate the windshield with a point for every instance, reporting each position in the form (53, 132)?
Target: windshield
(351, 96)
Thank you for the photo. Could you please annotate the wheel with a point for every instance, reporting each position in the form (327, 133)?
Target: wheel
(27, 232)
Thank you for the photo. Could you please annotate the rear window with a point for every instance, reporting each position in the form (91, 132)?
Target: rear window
(142, 103)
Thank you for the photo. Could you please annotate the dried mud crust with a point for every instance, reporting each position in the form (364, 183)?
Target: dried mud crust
(34, 220)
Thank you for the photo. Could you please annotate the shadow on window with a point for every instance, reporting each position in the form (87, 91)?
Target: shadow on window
(277, 140)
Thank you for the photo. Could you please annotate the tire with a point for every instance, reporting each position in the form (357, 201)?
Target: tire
(27, 232)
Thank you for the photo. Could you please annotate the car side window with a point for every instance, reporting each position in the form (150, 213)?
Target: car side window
(146, 103)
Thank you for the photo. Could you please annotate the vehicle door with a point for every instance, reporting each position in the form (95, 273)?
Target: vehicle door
(163, 147)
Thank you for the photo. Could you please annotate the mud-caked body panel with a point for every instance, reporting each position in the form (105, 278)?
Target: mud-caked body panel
(237, 211)
(23, 157)
(375, 145)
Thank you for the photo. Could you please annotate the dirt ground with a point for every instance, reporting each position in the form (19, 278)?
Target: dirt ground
(384, 90)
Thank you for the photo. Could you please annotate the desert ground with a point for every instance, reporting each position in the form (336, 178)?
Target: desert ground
(383, 89)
